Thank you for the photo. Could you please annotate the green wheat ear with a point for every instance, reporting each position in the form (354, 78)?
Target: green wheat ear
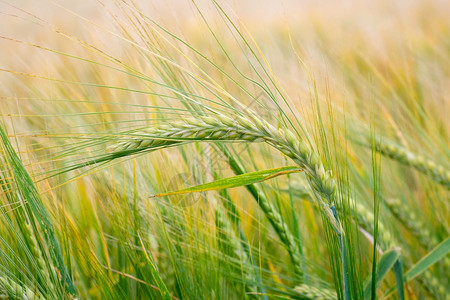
(426, 239)
(415, 225)
(41, 264)
(274, 217)
(315, 293)
(37, 210)
(436, 172)
(12, 290)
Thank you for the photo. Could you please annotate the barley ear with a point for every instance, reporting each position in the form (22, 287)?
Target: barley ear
(422, 164)
(315, 293)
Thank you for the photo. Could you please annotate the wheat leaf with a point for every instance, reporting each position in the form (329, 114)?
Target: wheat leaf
(235, 181)
(386, 262)
(439, 252)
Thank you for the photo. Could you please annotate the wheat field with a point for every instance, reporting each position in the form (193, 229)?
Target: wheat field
(218, 149)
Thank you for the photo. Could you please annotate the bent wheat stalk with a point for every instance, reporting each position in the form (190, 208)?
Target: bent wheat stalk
(222, 128)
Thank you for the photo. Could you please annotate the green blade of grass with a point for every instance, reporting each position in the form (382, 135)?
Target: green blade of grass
(435, 255)
(235, 181)
(439, 252)
(398, 272)
(386, 262)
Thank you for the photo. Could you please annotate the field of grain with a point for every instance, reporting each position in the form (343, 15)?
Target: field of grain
(219, 149)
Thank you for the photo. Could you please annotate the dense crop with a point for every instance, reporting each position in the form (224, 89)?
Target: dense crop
(203, 152)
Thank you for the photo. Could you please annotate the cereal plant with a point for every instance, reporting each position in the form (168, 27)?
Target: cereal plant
(212, 149)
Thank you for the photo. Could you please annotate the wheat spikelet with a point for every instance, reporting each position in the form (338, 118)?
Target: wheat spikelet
(315, 293)
(431, 283)
(425, 238)
(436, 172)
(365, 220)
(417, 228)
(12, 290)
(35, 249)
(408, 218)
(283, 232)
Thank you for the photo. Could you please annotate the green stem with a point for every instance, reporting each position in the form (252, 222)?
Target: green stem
(343, 256)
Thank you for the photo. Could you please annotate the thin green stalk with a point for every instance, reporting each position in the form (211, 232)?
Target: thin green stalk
(222, 128)
(344, 258)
